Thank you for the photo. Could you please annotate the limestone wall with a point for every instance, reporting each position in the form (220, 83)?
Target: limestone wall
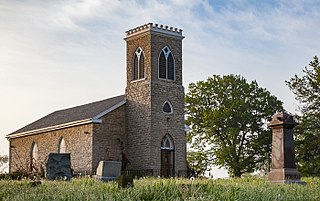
(138, 107)
(146, 122)
(108, 136)
(172, 124)
(168, 90)
(78, 141)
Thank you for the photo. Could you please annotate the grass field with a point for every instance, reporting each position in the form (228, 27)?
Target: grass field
(161, 189)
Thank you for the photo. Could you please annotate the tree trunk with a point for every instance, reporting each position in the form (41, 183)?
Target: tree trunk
(236, 172)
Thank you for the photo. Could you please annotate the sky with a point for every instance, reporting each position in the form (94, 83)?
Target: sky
(63, 53)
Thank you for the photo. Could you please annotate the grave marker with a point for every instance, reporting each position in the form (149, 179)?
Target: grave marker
(283, 169)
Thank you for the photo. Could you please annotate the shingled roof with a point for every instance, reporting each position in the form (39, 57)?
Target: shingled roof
(88, 113)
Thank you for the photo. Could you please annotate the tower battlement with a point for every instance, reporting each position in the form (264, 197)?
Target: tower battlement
(156, 28)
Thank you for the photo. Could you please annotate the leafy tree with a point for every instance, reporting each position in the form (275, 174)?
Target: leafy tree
(198, 162)
(227, 116)
(307, 87)
(307, 92)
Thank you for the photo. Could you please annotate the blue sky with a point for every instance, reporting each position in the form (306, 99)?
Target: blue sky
(59, 54)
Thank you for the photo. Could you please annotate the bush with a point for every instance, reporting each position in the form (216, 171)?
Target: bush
(11, 176)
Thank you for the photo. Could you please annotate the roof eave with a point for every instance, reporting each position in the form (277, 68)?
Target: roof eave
(53, 128)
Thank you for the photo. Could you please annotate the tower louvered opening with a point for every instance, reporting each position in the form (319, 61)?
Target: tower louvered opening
(170, 67)
(141, 66)
(138, 65)
(166, 64)
(162, 66)
(135, 68)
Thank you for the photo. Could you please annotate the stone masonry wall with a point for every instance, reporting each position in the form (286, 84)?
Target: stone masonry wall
(146, 123)
(172, 124)
(172, 91)
(138, 108)
(107, 137)
(78, 141)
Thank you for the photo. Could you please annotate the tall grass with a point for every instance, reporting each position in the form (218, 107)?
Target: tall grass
(161, 189)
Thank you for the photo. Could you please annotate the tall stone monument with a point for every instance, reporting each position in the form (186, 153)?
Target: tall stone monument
(283, 168)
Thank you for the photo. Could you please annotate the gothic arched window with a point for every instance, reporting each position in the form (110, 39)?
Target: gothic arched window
(167, 142)
(166, 65)
(33, 156)
(138, 65)
(62, 146)
(167, 108)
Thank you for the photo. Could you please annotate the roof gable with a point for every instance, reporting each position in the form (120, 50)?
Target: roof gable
(89, 113)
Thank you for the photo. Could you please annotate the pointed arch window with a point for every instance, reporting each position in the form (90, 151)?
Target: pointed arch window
(167, 108)
(138, 65)
(34, 151)
(62, 146)
(167, 142)
(33, 156)
(166, 64)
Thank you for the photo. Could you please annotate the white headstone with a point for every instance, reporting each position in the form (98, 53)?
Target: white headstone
(108, 170)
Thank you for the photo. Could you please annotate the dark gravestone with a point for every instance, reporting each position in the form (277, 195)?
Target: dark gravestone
(283, 169)
(58, 166)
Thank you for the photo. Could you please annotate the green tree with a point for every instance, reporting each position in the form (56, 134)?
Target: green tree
(227, 116)
(307, 92)
(198, 162)
(307, 88)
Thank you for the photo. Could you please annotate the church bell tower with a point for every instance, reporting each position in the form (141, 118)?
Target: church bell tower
(155, 133)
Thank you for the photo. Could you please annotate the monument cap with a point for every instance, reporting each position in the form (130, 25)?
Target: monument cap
(282, 118)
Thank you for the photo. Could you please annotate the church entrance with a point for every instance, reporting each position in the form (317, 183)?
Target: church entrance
(167, 163)
(167, 157)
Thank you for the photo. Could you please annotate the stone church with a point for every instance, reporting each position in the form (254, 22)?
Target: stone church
(144, 128)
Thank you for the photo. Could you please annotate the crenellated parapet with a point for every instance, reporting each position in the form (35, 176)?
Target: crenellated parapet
(155, 28)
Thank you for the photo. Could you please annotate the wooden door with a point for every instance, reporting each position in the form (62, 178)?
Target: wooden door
(167, 163)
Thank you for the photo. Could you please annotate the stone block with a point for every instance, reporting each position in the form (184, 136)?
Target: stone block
(284, 174)
(108, 170)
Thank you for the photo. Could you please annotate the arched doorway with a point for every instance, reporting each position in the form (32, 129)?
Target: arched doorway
(167, 156)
